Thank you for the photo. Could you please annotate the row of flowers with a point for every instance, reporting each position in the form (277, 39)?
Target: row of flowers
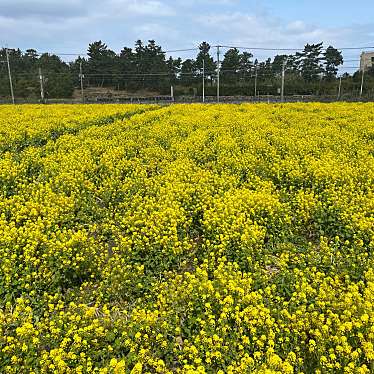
(189, 238)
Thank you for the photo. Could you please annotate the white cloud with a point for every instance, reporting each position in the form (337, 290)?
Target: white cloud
(66, 9)
(296, 26)
(147, 8)
(42, 9)
(69, 25)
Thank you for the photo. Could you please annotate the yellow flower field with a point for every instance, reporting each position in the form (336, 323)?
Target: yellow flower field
(187, 239)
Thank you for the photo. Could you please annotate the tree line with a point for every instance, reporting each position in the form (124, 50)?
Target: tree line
(146, 66)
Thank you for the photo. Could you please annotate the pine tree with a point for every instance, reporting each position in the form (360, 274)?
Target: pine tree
(231, 66)
(309, 61)
(204, 56)
(332, 60)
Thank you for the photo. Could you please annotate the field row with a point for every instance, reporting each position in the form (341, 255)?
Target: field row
(188, 238)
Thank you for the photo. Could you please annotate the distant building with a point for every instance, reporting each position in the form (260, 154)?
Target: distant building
(366, 61)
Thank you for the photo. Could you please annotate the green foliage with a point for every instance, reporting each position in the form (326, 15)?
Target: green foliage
(333, 59)
(146, 66)
(58, 81)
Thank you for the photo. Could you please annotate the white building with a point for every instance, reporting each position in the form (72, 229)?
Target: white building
(366, 60)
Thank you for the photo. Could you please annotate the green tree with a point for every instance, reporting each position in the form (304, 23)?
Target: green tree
(277, 64)
(24, 73)
(101, 64)
(174, 68)
(75, 70)
(128, 69)
(293, 64)
(58, 79)
(151, 65)
(205, 57)
(188, 72)
(4, 81)
(231, 66)
(332, 60)
(309, 61)
(246, 63)
(264, 69)
(30, 59)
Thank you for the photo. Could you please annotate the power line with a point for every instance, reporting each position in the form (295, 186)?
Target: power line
(166, 74)
(61, 54)
(182, 50)
(39, 53)
(289, 49)
(222, 46)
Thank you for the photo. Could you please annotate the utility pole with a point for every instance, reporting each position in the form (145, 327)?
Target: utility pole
(10, 75)
(81, 76)
(41, 79)
(283, 76)
(204, 79)
(340, 88)
(362, 82)
(218, 73)
(255, 82)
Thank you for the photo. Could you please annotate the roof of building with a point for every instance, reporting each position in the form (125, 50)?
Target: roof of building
(367, 53)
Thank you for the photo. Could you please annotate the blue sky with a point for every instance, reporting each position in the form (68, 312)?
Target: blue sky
(69, 25)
